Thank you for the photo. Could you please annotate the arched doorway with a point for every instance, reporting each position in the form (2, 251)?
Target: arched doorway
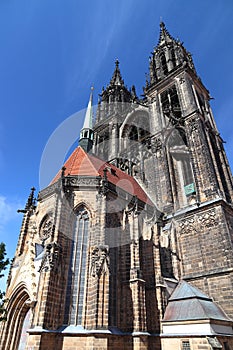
(24, 335)
(14, 329)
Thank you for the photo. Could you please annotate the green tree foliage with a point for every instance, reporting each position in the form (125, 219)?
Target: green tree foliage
(3, 265)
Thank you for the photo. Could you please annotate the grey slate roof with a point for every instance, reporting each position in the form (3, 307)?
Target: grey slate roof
(189, 303)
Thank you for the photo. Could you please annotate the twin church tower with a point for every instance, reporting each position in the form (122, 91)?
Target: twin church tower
(131, 245)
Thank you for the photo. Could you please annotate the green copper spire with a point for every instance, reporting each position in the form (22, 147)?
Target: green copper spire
(86, 133)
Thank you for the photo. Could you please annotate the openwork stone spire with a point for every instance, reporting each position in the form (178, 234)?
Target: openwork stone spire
(165, 36)
(115, 95)
(117, 78)
(116, 91)
(167, 56)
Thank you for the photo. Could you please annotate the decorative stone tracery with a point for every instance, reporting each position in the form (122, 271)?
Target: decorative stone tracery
(52, 257)
(46, 228)
(198, 222)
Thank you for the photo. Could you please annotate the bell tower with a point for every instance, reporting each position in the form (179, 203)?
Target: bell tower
(183, 122)
(192, 179)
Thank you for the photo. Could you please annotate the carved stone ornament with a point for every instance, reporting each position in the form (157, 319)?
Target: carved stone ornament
(199, 222)
(103, 188)
(47, 191)
(52, 257)
(80, 181)
(46, 229)
(208, 219)
(193, 125)
(99, 260)
(188, 226)
(156, 145)
(182, 80)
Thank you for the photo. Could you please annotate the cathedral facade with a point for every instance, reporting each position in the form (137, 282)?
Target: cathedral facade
(131, 245)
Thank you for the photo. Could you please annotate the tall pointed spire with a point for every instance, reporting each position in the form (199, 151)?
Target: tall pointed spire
(86, 133)
(89, 112)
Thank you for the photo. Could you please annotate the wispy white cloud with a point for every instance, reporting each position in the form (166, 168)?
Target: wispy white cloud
(6, 210)
(8, 213)
(101, 32)
(9, 221)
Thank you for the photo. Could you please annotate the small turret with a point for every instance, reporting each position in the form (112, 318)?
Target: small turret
(116, 91)
(86, 133)
(114, 96)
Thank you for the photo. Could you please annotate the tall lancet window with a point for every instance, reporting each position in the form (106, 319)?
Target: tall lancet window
(164, 63)
(180, 166)
(78, 265)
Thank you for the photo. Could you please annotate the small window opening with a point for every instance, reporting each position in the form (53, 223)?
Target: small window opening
(186, 345)
(164, 64)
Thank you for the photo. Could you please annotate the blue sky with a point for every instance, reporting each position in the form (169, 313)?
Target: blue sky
(53, 51)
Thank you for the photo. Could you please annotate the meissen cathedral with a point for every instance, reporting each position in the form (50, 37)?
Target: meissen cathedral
(130, 247)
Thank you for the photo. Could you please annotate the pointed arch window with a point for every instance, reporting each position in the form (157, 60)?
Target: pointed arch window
(164, 63)
(173, 57)
(170, 104)
(78, 262)
(113, 240)
(181, 166)
(133, 134)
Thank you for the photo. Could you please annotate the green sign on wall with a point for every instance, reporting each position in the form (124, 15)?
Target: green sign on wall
(189, 189)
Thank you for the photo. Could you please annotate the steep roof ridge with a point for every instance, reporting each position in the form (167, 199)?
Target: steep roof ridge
(185, 291)
(85, 156)
(74, 158)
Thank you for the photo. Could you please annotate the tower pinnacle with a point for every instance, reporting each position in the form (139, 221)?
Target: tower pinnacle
(168, 56)
(117, 78)
(89, 112)
(164, 36)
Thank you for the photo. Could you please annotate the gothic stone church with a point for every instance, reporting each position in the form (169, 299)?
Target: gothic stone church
(130, 246)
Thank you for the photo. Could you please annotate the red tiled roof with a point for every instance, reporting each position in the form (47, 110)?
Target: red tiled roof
(80, 163)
